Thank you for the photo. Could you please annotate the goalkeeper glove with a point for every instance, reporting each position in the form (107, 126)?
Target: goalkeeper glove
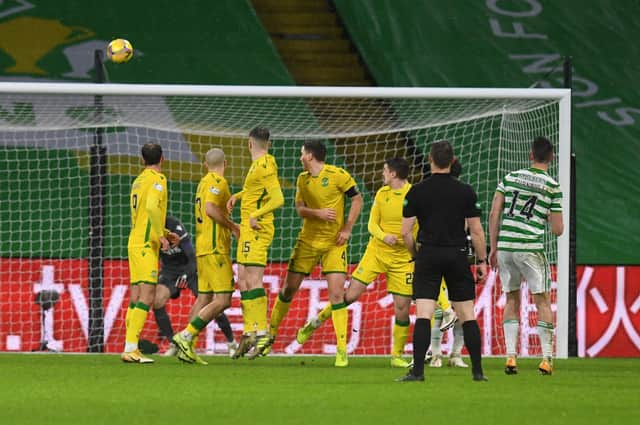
(182, 282)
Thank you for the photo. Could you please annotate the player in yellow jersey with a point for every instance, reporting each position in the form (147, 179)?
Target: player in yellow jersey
(261, 195)
(148, 202)
(386, 254)
(213, 253)
(320, 201)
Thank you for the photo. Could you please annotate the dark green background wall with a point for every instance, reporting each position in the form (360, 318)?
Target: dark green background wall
(194, 42)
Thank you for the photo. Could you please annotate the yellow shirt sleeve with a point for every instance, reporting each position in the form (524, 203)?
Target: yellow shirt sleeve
(346, 182)
(216, 194)
(299, 189)
(154, 208)
(374, 222)
(276, 198)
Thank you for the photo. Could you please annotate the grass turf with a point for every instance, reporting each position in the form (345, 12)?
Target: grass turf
(99, 389)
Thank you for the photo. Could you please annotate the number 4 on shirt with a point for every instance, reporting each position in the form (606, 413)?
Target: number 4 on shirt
(527, 208)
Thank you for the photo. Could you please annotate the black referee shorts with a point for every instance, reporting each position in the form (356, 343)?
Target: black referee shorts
(435, 262)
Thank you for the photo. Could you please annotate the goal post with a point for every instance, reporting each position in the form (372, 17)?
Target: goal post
(564, 178)
(45, 138)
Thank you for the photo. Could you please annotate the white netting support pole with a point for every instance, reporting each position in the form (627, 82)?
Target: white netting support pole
(279, 91)
(564, 160)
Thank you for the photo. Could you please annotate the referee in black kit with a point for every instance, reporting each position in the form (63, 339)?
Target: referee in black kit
(441, 204)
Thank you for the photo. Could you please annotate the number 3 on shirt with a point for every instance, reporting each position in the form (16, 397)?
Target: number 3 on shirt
(199, 210)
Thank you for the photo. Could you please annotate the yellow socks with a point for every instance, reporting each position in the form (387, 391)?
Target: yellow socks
(254, 310)
(262, 305)
(247, 325)
(340, 316)
(136, 322)
(443, 297)
(400, 335)
(196, 326)
(132, 305)
(325, 313)
(278, 312)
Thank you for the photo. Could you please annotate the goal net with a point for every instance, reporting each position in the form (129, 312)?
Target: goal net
(50, 295)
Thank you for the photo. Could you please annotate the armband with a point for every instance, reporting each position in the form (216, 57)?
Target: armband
(353, 191)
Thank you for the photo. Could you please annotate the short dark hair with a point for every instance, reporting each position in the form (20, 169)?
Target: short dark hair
(441, 153)
(400, 166)
(151, 153)
(315, 148)
(171, 222)
(260, 133)
(456, 168)
(542, 149)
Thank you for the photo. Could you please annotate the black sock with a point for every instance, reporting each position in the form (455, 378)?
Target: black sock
(225, 326)
(163, 321)
(473, 343)
(421, 339)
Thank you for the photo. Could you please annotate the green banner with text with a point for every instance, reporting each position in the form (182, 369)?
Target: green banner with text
(511, 43)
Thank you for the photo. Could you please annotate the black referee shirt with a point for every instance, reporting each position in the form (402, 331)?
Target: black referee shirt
(441, 203)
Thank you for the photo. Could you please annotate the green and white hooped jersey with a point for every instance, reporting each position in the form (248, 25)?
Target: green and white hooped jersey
(530, 195)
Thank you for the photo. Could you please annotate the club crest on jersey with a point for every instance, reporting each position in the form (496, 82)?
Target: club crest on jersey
(325, 182)
(214, 190)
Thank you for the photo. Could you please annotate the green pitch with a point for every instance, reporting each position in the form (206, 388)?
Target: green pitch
(99, 389)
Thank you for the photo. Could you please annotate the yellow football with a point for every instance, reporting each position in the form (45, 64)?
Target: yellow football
(119, 50)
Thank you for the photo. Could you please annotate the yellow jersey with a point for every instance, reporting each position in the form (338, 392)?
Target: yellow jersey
(326, 190)
(211, 237)
(261, 193)
(148, 202)
(386, 218)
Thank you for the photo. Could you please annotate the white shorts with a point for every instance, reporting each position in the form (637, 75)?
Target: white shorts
(514, 267)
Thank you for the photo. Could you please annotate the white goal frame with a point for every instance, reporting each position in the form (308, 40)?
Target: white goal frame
(562, 96)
